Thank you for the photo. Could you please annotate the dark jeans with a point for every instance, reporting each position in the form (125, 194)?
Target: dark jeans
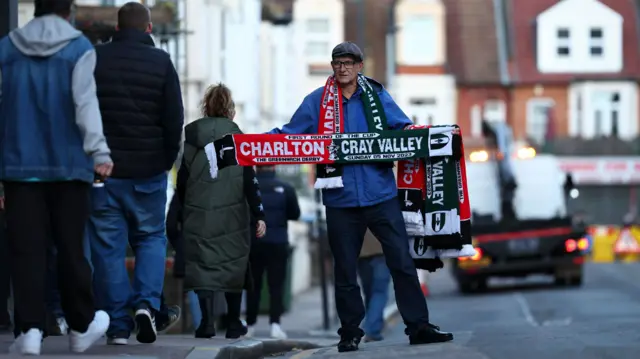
(271, 258)
(128, 212)
(375, 278)
(37, 212)
(54, 305)
(5, 282)
(346, 228)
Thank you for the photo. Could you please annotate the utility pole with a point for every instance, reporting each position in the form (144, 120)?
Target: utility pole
(391, 47)
(361, 31)
(8, 16)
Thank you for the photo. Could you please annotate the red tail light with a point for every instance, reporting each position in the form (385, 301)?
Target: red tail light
(475, 257)
(583, 244)
(478, 255)
(570, 245)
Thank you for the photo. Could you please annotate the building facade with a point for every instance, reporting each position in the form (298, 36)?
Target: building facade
(421, 85)
(566, 84)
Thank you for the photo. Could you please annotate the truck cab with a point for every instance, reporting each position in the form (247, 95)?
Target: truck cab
(519, 222)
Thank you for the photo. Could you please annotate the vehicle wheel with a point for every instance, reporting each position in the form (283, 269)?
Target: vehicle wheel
(560, 280)
(576, 281)
(472, 285)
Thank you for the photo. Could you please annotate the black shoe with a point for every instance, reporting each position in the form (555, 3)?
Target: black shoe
(146, 323)
(167, 318)
(349, 339)
(207, 328)
(236, 329)
(429, 334)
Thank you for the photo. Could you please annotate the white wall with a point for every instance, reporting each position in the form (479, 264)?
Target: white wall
(440, 89)
(223, 46)
(592, 15)
(428, 99)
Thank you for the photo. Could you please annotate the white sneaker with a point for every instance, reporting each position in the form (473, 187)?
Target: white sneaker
(277, 332)
(117, 341)
(79, 342)
(62, 325)
(29, 343)
(146, 323)
(251, 331)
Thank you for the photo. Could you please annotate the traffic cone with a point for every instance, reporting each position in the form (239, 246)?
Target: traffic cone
(423, 282)
(425, 289)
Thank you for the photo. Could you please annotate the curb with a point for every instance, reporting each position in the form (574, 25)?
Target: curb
(249, 349)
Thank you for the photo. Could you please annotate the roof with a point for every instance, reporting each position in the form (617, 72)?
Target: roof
(522, 28)
(472, 46)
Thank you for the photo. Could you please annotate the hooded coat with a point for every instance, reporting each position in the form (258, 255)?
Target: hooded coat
(216, 219)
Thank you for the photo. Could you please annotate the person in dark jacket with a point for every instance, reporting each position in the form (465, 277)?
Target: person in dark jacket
(271, 253)
(217, 216)
(52, 144)
(142, 113)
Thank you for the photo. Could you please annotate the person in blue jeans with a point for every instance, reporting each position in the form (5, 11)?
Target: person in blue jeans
(375, 279)
(142, 115)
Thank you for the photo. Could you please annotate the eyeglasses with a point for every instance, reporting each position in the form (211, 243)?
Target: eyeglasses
(347, 64)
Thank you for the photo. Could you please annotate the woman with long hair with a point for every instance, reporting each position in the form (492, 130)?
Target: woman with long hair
(216, 222)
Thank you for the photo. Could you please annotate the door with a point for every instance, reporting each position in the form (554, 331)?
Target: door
(423, 111)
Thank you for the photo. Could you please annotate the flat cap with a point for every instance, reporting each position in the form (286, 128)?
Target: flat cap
(347, 48)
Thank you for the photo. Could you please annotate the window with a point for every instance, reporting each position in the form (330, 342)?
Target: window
(317, 26)
(563, 42)
(495, 111)
(596, 40)
(606, 112)
(317, 48)
(615, 110)
(419, 40)
(540, 119)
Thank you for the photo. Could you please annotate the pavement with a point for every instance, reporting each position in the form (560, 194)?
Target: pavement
(514, 319)
(523, 319)
(172, 347)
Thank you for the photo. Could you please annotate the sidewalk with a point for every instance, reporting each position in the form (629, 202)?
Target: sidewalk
(304, 319)
(170, 347)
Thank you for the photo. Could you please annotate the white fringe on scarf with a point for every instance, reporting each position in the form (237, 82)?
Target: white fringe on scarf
(414, 223)
(328, 182)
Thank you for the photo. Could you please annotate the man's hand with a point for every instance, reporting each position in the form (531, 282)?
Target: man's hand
(104, 169)
(262, 229)
(2, 203)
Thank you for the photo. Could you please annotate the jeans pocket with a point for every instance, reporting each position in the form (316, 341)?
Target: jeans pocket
(99, 198)
(150, 187)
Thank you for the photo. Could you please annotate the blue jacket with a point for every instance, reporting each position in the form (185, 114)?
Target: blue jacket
(280, 206)
(364, 184)
(50, 125)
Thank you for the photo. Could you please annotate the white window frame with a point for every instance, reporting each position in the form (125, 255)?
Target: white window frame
(323, 21)
(321, 53)
(428, 40)
(530, 127)
(494, 111)
(596, 42)
(563, 42)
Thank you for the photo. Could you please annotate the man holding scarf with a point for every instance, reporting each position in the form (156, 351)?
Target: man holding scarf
(362, 196)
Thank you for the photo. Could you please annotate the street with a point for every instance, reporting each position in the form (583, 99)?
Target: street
(525, 319)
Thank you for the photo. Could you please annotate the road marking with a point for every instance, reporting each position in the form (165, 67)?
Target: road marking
(305, 354)
(203, 352)
(557, 322)
(526, 310)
